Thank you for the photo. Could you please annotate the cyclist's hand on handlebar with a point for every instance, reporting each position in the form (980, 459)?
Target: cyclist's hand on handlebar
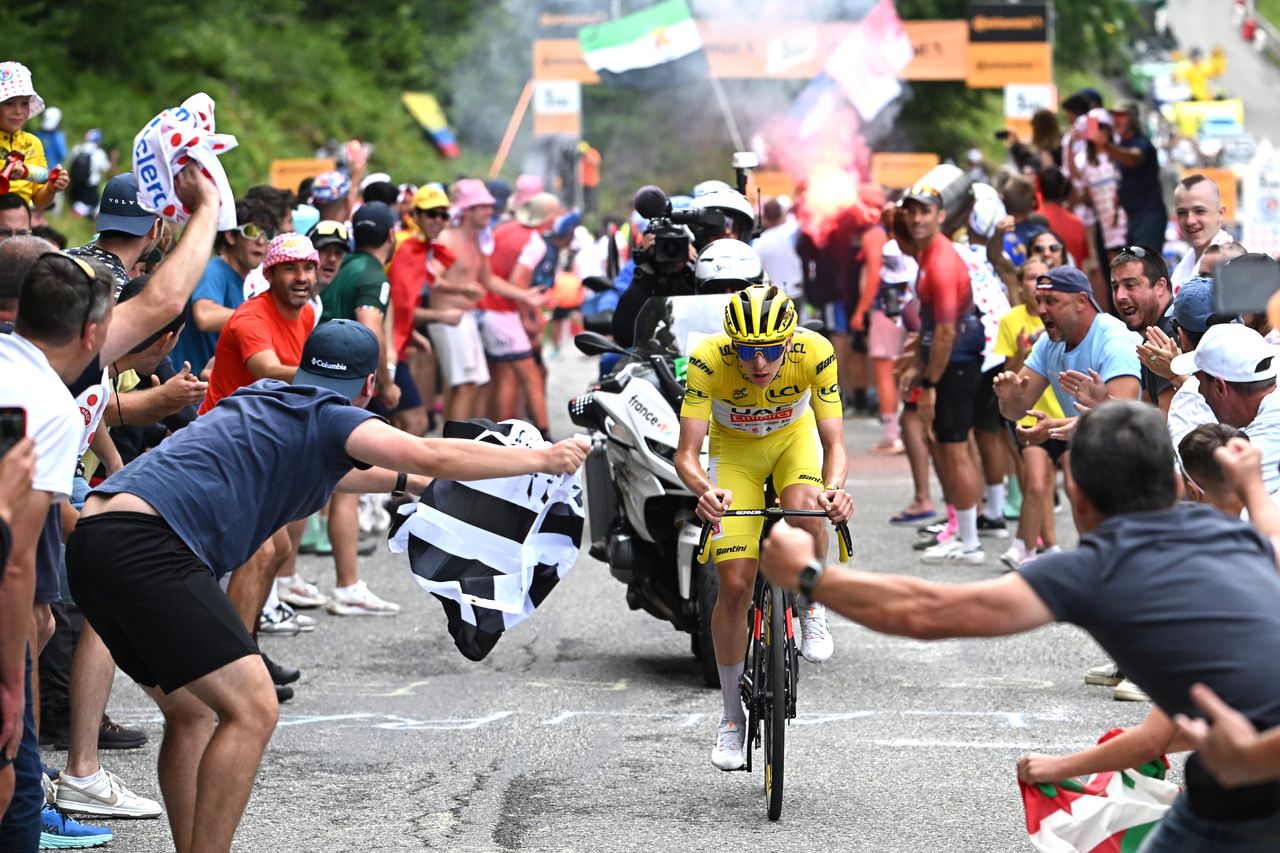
(713, 503)
(837, 504)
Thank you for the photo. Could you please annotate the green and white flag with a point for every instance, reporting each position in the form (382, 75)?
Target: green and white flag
(649, 49)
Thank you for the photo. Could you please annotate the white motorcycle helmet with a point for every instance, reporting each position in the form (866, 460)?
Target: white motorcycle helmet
(726, 266)
(731, 203)
(710, 187)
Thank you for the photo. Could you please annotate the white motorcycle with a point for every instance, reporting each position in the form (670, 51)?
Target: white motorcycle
(640, 516)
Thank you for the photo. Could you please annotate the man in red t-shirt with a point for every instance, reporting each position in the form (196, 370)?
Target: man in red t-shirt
(418, 263)
(264, 337)
(518, 249)
(949, 368)
(1054, 189)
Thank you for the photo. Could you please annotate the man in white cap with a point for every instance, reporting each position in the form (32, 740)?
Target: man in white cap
(459, 348)
(1236, 368)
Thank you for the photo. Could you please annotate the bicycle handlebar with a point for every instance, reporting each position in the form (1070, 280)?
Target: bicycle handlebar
(842, 528)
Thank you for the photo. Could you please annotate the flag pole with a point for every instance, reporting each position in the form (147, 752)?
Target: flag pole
(729, 121)
(517, 116)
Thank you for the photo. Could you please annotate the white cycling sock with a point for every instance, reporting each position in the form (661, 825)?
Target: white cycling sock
(731, 693)
(967, 526)
(273, 601)
(84, 781)
(994, 507)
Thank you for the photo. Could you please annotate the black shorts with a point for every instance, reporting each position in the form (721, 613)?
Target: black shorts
(986, 408)
(955, 398)
(410, 397)
(1055, 447)
(156, 606)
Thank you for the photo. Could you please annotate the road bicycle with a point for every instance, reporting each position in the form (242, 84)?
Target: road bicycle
(772, 666)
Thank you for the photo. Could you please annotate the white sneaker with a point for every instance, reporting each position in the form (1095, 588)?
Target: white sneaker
(954, 551)
(296, 591)
(1127, 691)
(106, 796)
(283, 619)
(1104, 674)
(373, 514)
(728, 753)
(359, 600)
(816, 644)
(1016, 555)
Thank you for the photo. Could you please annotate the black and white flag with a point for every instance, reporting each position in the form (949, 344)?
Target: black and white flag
(491, 550)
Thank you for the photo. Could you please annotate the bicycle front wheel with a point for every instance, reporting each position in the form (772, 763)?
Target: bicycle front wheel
(775, 711)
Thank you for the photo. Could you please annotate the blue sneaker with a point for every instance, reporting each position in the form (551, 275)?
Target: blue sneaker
(61, 832)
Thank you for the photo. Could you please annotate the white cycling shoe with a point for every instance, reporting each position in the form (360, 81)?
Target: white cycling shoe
(816, 643)
(728, 753)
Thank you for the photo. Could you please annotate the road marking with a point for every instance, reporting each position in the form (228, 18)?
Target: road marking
(681, 720)
(395, 722)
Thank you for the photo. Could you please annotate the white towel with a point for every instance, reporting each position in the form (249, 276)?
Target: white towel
(169, 142)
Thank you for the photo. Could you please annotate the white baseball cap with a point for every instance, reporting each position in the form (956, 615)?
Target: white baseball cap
(1231, 352)
(897, 267)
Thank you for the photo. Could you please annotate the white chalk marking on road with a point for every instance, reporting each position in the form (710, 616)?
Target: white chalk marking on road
(398, 723)
(606, 686)
(312, 719)
(819, 719)
(682, 720)
(1017, 719)
(924, 743)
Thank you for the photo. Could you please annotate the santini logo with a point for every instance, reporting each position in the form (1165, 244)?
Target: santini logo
(732, 549)
(328, 365)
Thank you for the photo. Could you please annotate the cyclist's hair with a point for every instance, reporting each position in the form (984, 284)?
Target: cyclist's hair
(1122, 458)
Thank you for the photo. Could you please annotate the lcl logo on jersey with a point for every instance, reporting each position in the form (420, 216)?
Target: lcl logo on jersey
(783, 395)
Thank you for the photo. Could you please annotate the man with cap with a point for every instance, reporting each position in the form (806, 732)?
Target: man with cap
(126, 232)
(416, 267)
(518, 251)
(459, 349)
(1078, 337)
(360, 292)
(1236, 369)
(146, 557)
(332, 242)
(1197, 205)
(331, 194)
(948, 366)
(1192, 313)
(1140, 193)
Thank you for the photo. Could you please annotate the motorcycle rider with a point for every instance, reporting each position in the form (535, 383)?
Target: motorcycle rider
(654, 278)
(756, 384)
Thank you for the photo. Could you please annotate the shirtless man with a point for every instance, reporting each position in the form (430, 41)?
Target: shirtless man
(459, 350)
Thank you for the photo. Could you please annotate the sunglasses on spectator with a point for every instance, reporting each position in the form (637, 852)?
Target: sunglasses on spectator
(89, 276)
(434, 213)
(329, 228)
(771, 352)
(6, 233)
(252, 231)
(1136, 251)
(1045, 249)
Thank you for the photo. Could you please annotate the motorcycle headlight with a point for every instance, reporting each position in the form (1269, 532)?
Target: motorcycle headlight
(619, 432)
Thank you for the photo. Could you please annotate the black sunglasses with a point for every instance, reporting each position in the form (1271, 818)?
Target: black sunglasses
(1046, 249)
(435, 213)
(89, 277)
(1136, 251)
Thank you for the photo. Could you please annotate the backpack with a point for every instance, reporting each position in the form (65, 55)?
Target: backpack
(81, 169)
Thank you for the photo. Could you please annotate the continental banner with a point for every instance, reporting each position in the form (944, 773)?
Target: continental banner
(1009, 44)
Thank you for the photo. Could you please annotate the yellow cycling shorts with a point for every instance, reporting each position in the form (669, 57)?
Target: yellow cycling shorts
(742, 464)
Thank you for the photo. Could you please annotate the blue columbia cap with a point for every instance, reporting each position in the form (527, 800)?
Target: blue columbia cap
(340, 355)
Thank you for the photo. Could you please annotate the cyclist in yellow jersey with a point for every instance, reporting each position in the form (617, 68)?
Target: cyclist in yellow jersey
(766, 389)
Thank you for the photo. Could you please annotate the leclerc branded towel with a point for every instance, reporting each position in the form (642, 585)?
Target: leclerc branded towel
(169, 142)
(1109, 812)
(491, 550)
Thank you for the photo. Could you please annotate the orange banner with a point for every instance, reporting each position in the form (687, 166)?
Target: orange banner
(942, 50)
(287, 174)
(1226, 181)
(994, 65)
(770, 185)
(897, 170)
(748, 50)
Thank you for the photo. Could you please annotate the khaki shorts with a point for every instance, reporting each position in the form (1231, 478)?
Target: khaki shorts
(459, 352)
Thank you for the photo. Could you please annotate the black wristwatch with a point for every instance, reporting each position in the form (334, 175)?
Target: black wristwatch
(809, 577)
(926, 382)
(402, 480)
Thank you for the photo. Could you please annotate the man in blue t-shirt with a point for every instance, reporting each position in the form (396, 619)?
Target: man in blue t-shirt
(146, 556)
(1178, 594)
(1079, 337)
(221, 288)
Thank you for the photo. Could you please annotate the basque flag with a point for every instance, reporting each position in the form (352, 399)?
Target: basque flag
(491, 550)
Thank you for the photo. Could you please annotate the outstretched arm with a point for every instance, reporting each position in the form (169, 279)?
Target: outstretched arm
(378, 443)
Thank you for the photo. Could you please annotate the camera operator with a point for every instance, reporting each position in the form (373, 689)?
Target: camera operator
(664, 260)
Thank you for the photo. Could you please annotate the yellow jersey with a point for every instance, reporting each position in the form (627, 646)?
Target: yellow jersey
(717, 390)
(32, 151)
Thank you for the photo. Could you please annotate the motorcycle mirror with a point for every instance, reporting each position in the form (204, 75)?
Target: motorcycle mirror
(597, 283)
(601, 322)
(594, 343)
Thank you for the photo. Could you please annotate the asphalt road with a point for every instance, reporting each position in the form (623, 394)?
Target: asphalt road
(588, 729)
